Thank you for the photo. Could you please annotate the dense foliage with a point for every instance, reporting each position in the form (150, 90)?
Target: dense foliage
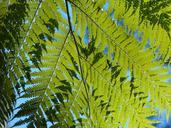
(84, 63)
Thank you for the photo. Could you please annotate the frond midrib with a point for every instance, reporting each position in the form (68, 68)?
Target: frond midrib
(19, 49)
(54, 70)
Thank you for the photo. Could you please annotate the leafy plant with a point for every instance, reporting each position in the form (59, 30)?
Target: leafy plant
(84, 63)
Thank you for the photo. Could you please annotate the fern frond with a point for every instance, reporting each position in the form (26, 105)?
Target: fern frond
(150, 18)
(128, 52)
(108, 80)
(11, 20)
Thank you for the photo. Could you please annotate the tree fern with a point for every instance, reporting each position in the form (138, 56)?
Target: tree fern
(111, 79)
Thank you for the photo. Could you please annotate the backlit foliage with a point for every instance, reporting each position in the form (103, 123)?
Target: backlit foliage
(84, 63)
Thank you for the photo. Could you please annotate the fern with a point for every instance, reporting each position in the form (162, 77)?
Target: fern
(68, 81)
(148, 17)
(11, 20)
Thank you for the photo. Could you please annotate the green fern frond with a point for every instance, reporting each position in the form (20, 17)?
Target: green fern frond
(147, 17)
(109, 80)
(11, 20)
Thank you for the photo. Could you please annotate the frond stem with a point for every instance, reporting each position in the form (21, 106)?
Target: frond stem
(78, 52)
